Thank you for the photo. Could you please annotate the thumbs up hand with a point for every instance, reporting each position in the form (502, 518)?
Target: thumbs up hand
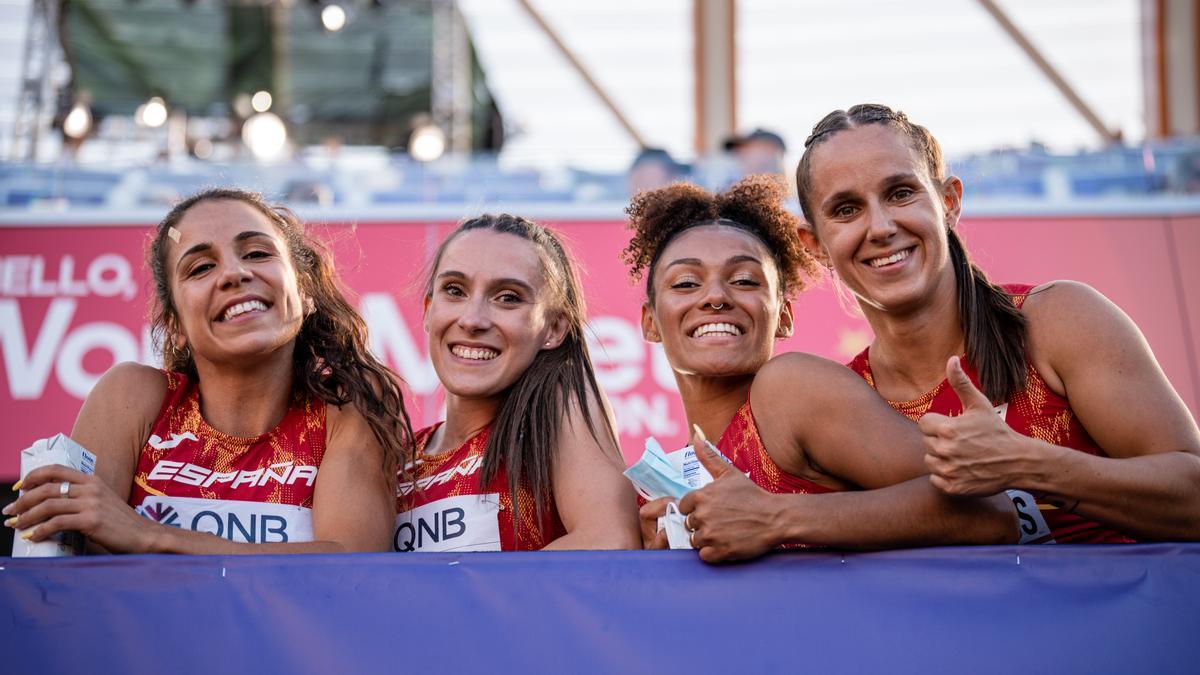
(731, 518)
(975, 453)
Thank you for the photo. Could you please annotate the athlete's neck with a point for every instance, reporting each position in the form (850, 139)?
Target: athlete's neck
(246, 401)
(908, 356)
(712, 402)
(465, 418)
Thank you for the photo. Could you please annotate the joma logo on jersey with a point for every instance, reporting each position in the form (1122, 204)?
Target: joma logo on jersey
(467, 467)
(284, 473)
(158, 443)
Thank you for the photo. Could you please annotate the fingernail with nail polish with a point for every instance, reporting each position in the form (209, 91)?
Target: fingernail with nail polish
(7, 510)
(17, 485)
(10, 522)
(27, 535)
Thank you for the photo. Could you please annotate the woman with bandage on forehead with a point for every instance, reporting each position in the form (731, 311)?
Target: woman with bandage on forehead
(817, 458)
(271, 428)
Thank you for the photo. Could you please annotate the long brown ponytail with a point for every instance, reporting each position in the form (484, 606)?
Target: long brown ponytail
(993, 329)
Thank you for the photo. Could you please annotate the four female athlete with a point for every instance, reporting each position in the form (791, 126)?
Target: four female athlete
(272, 428)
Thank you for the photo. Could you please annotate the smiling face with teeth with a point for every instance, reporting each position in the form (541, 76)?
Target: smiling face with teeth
(882, 219)
(717, 306)
(233, 285)
(488, 314)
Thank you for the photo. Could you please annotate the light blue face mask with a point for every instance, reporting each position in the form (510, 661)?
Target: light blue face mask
(653, 476)
(660, 474)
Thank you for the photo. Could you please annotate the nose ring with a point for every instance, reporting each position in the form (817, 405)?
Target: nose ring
(718, 306)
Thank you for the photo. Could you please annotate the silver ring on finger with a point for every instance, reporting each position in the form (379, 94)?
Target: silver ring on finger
(692, 539)
(64, 489)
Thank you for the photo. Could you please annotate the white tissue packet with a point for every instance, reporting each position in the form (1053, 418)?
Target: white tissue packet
(58, 449)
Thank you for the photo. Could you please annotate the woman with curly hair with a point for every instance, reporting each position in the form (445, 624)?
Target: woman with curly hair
(1091, 440)
(271, 428)
(527, 457)
(817, 457)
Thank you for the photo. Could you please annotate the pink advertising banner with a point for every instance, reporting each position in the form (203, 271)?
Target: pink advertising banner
(73, 302)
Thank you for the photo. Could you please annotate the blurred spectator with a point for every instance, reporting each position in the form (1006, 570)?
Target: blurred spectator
(760, 151)
(654, 168)
(1188, 173)
(308, 192)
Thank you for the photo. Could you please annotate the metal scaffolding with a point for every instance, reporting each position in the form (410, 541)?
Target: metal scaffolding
(34, 100)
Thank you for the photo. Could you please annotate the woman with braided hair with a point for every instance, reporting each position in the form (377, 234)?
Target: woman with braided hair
(1091, 441)
(817, 457)
(271, 427)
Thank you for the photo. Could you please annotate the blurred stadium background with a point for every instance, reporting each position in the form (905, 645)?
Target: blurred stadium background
(128, 103)
(1073, 123)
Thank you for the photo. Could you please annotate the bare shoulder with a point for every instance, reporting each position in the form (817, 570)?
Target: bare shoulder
(1072, 325)
(116, 419)
(794, 391)
(346, 426)
(587, 426)
(800, 376)
(1070, 314)
(129, 388)
(1062, 301)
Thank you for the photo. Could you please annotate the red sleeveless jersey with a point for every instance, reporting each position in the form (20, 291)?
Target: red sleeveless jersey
(742, 445)
(255, 490)
(1035, 411)
(443, 507)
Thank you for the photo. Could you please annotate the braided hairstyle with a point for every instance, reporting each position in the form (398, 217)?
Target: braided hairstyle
(993, 328)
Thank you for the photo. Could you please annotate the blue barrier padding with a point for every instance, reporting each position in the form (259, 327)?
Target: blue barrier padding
(1011, 610)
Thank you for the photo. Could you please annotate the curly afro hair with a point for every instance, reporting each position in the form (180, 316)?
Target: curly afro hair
(753, 204)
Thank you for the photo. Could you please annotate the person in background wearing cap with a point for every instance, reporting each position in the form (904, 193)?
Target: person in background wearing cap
(760, 151)
(654, 168)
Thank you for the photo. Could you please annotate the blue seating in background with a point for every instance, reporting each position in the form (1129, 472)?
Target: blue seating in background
(1023, 174)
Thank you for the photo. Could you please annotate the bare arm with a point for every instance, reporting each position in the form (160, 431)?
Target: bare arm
(813, 413)
(116, 419)
(1088, 350)
(357, 513)
(595, 501)
(846, 428)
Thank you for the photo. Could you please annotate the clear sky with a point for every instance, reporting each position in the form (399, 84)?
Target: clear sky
(945, 62)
